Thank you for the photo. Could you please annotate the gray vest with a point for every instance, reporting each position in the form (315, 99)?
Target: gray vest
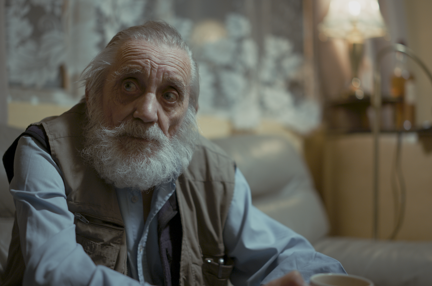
(203, 193)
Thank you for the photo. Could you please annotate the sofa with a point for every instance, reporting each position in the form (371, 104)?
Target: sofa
(282, 188)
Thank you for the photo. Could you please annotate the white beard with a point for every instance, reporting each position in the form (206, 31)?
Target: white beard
(136, 156)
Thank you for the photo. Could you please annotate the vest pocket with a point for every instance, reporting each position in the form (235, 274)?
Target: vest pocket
(100, 253)
(215, 274)
(102, 241)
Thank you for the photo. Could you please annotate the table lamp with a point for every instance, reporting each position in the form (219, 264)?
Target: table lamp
(353, 21)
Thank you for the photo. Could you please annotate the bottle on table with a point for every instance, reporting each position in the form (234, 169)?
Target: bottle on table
(403, 88)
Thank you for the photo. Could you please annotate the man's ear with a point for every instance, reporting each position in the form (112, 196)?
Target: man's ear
(193, 103)
(194, 95)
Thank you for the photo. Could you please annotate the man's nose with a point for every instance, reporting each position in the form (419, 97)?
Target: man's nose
(146, 108)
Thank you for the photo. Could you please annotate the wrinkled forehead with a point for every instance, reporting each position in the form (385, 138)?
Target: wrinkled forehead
(157, 60)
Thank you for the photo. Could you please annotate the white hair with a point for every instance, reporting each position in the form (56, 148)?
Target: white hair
(155, 32)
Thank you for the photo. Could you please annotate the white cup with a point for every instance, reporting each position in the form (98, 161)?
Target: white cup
(333, 279)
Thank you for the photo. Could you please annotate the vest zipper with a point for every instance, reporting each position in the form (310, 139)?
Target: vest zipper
(94, 221)
(81, 218)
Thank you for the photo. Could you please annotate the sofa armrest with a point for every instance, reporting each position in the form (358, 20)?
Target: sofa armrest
(384, 262)
(6, 225)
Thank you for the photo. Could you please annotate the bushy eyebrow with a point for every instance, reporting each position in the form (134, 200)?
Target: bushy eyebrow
(128, 70)
(168, 79)
(178, 84)
(175, 81)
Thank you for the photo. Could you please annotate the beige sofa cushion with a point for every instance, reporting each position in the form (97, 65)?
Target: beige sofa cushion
(280, 182)
(7, 136)
(7, 207)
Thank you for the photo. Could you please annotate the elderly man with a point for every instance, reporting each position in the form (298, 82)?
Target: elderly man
(121, 189)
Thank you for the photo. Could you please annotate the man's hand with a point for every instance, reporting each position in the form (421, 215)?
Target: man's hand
(293, 278)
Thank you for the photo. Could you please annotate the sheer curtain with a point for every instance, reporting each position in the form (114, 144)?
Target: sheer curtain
(3, 75)
(250, 52)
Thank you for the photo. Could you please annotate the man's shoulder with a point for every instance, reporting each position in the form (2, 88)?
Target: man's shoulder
(78, 109)
(68, 124)
(206, 145)
(210, 162)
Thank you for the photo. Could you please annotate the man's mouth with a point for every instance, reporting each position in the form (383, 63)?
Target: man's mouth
(143, 139)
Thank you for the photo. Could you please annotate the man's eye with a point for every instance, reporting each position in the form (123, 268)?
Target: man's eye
(129, 86)
(169, 96)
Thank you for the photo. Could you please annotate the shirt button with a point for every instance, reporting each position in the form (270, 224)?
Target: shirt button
(141, 249)
(134, 199)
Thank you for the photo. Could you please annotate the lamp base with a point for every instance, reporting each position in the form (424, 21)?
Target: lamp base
(354, 89)
(354, 86)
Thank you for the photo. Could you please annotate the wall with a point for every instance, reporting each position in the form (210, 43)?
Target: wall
(348, 185)
(420, 40)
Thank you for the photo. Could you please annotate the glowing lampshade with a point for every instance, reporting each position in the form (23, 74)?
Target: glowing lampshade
(353, 20)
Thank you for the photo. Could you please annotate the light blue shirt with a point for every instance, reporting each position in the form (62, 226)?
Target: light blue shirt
(262, 248)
